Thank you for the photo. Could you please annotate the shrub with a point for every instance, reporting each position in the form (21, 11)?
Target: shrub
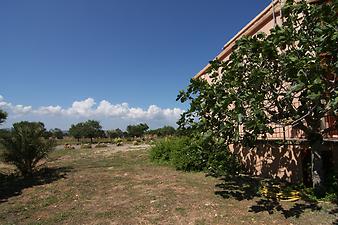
(201, 153)
(118, 141)
(24, 146)
(223, 163)
(163, 149)
(188, 156)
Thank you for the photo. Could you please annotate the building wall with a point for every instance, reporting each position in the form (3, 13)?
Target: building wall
(285, 162)
(271, 160)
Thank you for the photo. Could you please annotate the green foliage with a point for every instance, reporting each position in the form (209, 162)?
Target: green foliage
(92, 129)
(137, 130)
(118, 141)
(117, 133)
(189, 157)
(221, 162)
(89, 129)
(257, 86)
(76, 130)
(57, 133)
(3, 116)
(25, 146)
(162, 150)
(200, 153)
(163, 131)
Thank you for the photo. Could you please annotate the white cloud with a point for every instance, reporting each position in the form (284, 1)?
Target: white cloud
(82, 108)
(16, 109)
(87, 109)
(107, 109)
(21, 109)
(49, 110)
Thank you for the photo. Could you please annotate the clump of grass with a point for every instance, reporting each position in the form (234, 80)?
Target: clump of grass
(86, 146)
(101, 145)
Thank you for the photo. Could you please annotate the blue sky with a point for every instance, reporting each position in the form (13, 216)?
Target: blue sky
(120, 62)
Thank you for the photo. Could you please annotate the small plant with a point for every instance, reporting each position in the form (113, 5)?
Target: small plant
(83, 146)
(118, 141)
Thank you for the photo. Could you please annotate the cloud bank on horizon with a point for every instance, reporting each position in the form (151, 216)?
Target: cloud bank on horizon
(110, 115)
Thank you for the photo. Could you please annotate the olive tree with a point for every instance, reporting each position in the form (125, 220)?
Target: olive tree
(137, 130)
(89, 129)
(76, 130)
(117, 133)
(264, 77)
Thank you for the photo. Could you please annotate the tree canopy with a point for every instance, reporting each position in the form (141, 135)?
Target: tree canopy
(117, 133)
(76, 130)
(163, 131)
(137, 130)
(57, 133)
(265, 75)
(89, 129)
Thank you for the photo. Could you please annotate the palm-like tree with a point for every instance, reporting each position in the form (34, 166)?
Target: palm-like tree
(25, 146)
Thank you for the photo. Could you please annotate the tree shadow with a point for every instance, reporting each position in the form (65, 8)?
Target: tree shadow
(272, 205)
(248, 188)
(239, 187)
(13, 184)
(335, 213)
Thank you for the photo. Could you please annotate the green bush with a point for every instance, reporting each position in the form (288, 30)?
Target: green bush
(162, 149)
(201, 153)
(223, 163)
(189, 157)
(118, 141)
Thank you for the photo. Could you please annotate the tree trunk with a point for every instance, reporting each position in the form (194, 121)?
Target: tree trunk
(317, 167)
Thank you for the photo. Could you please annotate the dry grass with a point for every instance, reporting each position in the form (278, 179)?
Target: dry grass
(100, 186)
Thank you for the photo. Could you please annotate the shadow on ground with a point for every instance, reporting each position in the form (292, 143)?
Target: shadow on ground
(12, 185)
(247, 188)
(335, 212)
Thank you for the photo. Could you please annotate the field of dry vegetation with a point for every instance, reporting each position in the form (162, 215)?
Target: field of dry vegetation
(119, 185)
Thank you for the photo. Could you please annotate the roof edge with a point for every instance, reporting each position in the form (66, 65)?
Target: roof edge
(261, 19)
(243, 31)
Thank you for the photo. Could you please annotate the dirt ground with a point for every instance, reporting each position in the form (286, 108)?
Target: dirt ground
(119, 185)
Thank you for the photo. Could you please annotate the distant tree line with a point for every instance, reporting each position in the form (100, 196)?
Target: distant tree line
(92, 129)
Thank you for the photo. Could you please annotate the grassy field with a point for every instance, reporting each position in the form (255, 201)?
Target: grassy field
(120, 186)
